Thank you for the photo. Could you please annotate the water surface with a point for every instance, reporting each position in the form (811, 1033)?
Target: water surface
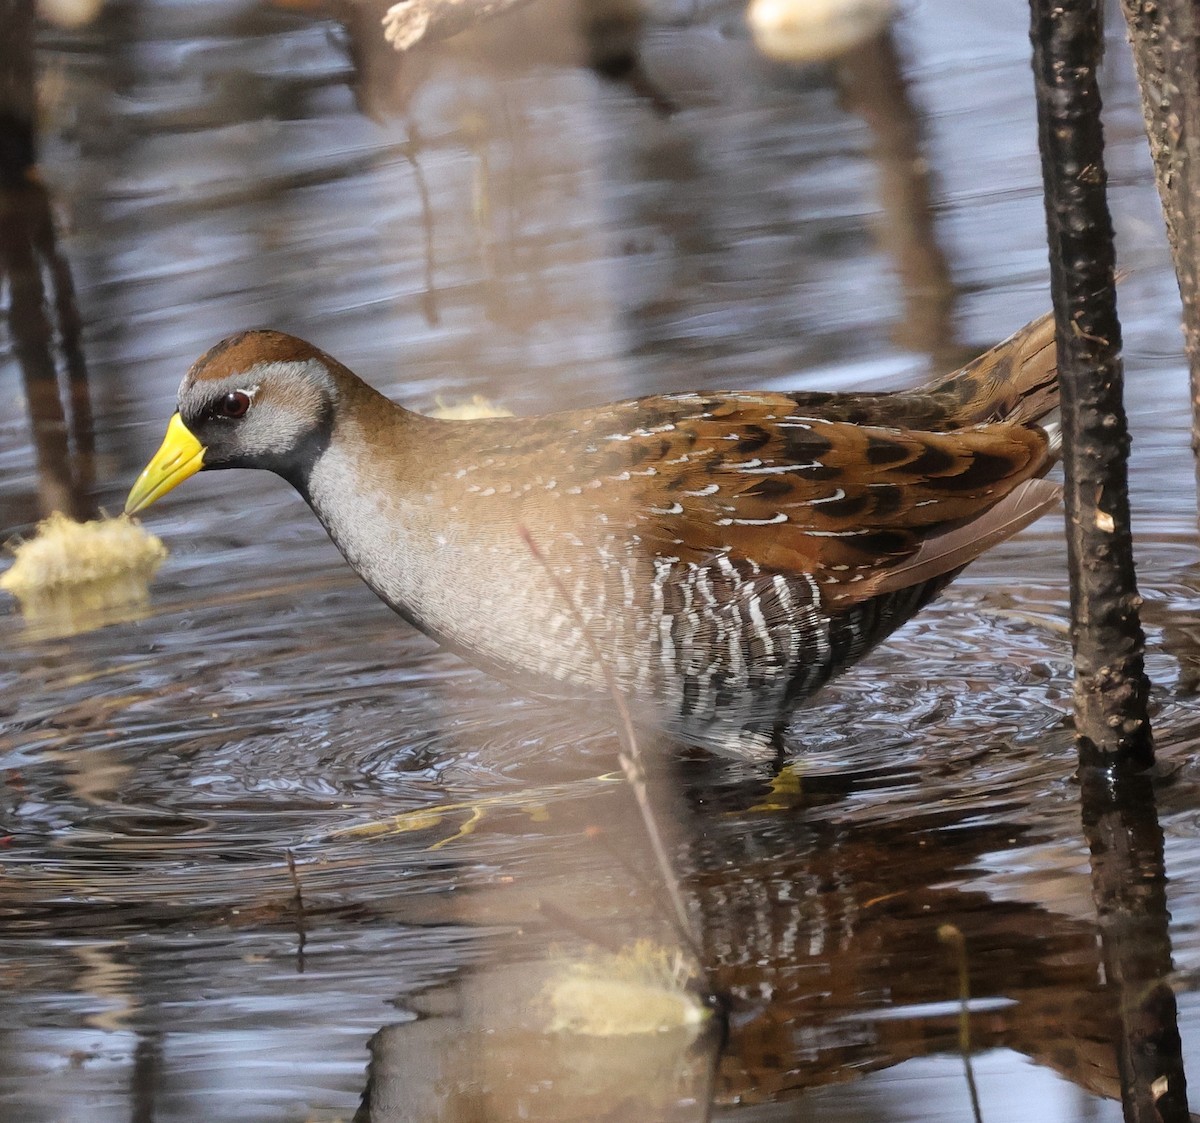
(492, 216)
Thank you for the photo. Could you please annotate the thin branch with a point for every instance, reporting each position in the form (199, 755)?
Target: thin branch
(952, 937)
(300, 913)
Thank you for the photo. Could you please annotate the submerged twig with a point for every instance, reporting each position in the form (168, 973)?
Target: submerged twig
(300, 914)
(630, 755)
(952, 937)
(429, 298)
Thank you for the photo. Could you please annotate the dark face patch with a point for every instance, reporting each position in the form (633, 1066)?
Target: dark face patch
(287, 416)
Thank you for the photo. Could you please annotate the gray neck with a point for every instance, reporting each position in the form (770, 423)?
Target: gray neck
(381, 524)
(426, 548)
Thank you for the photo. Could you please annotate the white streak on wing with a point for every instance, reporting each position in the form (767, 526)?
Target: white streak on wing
(751, 468)
(779, 518)
(642, 431)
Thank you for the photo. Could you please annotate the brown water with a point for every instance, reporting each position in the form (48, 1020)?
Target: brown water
(489, 216)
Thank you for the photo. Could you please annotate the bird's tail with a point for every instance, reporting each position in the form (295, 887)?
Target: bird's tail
(1015, 381)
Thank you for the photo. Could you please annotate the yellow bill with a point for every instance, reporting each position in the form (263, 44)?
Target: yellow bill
(179, 457)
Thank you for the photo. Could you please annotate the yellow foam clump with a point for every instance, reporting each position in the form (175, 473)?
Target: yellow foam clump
(641, 989)
(71, 570)
(477, 407)
(812, 30)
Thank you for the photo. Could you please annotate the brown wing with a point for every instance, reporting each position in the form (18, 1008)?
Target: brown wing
(758, 478)
(848, 504)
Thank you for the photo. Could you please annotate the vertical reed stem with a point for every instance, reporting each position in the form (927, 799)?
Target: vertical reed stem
(1111, 689)
(1165, 36)
(1112, 728)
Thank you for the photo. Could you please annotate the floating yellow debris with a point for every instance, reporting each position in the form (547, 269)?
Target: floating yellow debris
(477, 407)
(70, 572)
(641, 989)
(69, 14)
(812, 30)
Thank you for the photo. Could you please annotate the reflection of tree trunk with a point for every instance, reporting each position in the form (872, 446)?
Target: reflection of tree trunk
(62, 433)
(873, 86)
(42, 324)
(17, 101)
(612, 33)
(147, 1076)
(1129, 886)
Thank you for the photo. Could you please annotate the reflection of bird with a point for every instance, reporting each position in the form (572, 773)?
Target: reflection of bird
(729, 552)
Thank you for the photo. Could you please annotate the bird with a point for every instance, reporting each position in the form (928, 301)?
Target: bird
(720, 556)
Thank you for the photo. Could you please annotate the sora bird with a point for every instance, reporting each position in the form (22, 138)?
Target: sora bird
(725, 554)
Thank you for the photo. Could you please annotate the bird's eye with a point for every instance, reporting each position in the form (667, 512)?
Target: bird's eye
(234, 404)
